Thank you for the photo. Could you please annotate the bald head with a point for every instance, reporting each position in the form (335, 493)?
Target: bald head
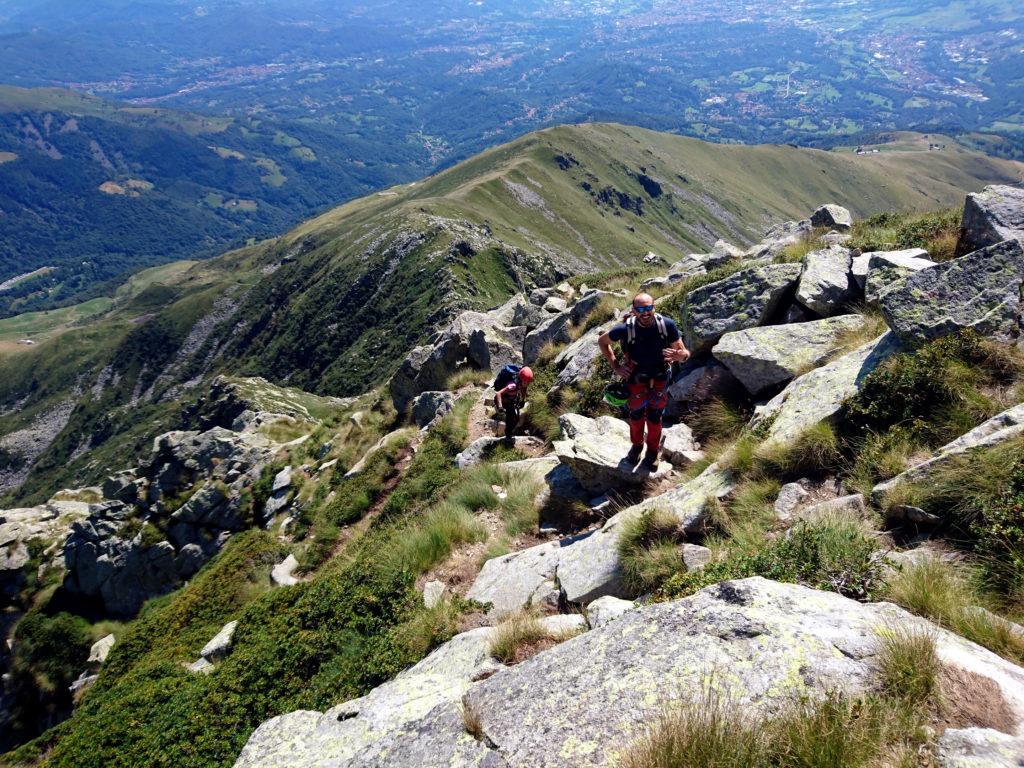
(643, 300)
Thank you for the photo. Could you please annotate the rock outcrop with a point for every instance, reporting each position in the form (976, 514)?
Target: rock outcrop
(818, 395)
(189, 501)
(743, 300)
(761, 642)
(770, 355)
(991, 216)
(981, 291)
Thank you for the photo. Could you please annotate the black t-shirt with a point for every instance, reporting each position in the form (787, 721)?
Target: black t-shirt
(648, 345)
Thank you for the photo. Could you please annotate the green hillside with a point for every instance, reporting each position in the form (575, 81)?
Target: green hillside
(334, 305)
(97, 189)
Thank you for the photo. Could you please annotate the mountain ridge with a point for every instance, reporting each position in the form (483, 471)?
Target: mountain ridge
(334, 305)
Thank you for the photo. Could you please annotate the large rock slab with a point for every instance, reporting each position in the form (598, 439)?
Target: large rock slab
(764, 644)
(589, 568)
(595, 450)
(991, 216)
(887, 271)
(818, 395)
(771, 355)
(336, 738)
(999, 429)
(746, 299)
(981, 291)
(517, 580)
(825, 285)
(697, 382)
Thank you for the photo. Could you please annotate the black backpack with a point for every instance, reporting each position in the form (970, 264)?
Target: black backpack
(506, 375)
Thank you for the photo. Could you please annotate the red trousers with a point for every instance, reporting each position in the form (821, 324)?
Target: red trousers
(647, 400)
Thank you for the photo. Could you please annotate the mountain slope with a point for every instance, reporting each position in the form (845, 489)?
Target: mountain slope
(334, 305)
(96, 189)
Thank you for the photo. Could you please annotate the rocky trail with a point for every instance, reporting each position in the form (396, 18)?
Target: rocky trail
(590, 595)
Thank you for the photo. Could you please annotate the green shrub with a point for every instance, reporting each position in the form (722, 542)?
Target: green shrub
(878, 457)
(831, 554)
(935, 231)
(49, 653)
(936, 392)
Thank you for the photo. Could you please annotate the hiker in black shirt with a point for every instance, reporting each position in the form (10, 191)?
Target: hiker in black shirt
(650, 343)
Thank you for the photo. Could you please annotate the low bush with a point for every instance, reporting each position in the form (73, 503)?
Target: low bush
(833, 554)
(937, 392)
(936, 231)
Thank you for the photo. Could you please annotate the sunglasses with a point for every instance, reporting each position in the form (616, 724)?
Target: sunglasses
(644, 310)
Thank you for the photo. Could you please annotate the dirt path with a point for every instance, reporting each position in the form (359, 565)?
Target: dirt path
(359, 527)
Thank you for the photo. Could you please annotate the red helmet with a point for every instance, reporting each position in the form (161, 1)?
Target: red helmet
(526, 375)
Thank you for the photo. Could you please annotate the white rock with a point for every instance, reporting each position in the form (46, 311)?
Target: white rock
(218, 647)
(825, 282)
(101, 649)
(517, 580)
(564, 624)
(790, 496)
(282, 479)
(433, 592)
(606, 609)
(281, 574)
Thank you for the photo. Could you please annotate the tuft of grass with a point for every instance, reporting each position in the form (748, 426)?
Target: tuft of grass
(711, 731)
(908, 665)
(878, 457)
(815, 450)
(832, 553)
(440, 530)
(706, 733)
(471, 721)
(467, 376)
(796, 252)
(718, 420)
(950, 596)
(649, 550)
(515, 632)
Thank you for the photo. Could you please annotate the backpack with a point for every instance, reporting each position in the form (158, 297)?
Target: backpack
(631, 328)
(506, 375)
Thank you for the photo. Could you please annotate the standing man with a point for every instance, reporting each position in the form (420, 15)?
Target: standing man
(650, 343)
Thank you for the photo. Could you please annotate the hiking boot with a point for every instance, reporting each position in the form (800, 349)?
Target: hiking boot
(634, 455)
(651, 461)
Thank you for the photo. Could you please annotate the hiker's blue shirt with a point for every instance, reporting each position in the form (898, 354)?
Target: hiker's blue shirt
(648, 347)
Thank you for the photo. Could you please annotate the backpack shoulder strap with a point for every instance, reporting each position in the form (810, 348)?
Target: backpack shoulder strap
(631, 330)
(662, 330)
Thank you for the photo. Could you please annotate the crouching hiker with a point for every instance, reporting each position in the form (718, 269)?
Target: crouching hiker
(650, 343)
(511, 384)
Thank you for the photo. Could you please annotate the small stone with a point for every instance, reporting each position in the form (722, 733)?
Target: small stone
(201, 666)
(218, 647)
(282, 479)
(282, 572)
(101, 649)
(696, 557)
(564, 624)
(433, 592)
(606, 609)
(790, 496)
